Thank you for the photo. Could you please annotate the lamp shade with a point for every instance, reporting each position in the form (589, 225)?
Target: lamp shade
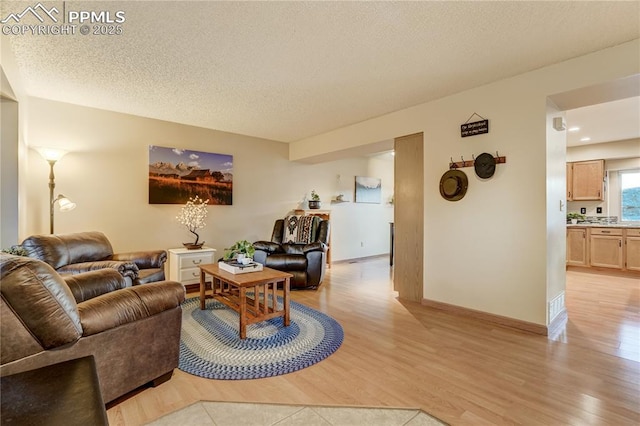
(51, 154)
(64, 203)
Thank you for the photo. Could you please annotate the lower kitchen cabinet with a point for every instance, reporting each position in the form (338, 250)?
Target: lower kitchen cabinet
(577, 246)
(632, 245)
(606, 249)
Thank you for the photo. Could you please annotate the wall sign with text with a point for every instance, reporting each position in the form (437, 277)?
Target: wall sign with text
(474, 128)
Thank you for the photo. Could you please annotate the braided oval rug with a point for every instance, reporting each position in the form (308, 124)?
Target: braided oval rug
(210, 345)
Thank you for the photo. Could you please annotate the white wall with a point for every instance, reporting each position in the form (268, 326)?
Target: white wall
(629, 148)
(365, 226)
(8, 173)
(556, 213)
(106, 174)
(490, 250)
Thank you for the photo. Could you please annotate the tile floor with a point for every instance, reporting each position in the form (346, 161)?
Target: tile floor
(236, 414)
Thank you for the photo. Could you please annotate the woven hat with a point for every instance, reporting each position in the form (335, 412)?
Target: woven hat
(485, 165)
(453, 185)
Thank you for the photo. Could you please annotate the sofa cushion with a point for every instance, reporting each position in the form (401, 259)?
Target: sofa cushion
(126, 269)
(92, 284)
(286, 262)
(300, 229)
(128, 305)
(61, 250)
(42, 300)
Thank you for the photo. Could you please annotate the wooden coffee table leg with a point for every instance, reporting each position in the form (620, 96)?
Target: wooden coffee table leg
(285, 299)
(243, 312)
(202, 289)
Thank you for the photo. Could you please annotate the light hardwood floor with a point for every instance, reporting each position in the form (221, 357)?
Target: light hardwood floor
(401, 354)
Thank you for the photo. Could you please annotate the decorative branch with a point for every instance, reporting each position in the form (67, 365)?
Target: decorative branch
(193, 215)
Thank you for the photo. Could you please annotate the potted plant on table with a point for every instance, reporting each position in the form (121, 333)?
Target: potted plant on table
(574, 217)
(242, 249)
(314, 202)
(193, 215)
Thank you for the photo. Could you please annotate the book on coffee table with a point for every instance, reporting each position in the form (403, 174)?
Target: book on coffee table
(239, 268)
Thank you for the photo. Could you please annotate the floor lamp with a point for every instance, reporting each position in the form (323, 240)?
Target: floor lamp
(52, 155)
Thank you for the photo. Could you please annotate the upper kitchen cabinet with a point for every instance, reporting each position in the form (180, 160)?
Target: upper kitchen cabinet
(585, 181)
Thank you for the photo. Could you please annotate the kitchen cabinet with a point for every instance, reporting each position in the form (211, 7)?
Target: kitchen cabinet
(606, 248)
(632, 246)
(577, 246)
(585, 181)
(569, 181)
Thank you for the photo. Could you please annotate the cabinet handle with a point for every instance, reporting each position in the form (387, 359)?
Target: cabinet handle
(196, 262)
(598, 194)
(606, 232)
(195, 274)
(619, 243)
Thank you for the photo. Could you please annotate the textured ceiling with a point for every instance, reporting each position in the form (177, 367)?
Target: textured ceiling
(289, 70)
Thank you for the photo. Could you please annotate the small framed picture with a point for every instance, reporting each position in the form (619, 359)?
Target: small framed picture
(368, 190)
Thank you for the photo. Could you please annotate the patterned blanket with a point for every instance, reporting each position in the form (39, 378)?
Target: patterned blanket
(300, 229)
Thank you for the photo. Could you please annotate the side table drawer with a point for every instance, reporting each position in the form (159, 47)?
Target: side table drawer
(195, 260)
(190, 274)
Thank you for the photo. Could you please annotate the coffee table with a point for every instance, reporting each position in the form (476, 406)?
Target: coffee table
(231, 290)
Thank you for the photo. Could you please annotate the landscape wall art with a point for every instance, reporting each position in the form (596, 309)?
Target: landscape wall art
(177, 174)
(368, 190)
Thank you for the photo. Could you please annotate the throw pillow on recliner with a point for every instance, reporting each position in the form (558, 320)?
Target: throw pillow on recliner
(300, 229)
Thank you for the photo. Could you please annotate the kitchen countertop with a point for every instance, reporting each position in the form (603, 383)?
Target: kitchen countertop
(604, 225)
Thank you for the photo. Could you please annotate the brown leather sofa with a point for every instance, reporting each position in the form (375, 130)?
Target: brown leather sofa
(132, 332)
(305, 261)
(87, 251)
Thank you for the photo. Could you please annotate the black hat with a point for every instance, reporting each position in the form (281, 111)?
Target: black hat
(453, 185)
(485, 165)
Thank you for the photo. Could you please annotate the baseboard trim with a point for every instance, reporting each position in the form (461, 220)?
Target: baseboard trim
(487, 317)
(359, 259)
(603, 271)
(558, 323)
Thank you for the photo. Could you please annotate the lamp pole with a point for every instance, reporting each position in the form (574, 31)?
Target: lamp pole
(52, 185)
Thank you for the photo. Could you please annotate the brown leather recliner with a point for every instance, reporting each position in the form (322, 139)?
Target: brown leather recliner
(88, 251)
(306, 261)
(132, 332)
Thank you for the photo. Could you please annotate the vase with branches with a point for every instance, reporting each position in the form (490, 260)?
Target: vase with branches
(193, 215)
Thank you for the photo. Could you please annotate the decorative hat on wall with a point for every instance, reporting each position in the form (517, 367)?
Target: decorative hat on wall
(453, 185)
(485, 165)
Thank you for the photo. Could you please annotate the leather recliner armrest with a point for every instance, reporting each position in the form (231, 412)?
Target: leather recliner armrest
(88, 285)
(268, 246)
(317, 246)
(143, 259)
(126, 269)
(131, 304)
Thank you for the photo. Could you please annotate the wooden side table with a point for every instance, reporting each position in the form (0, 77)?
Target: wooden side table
(324, 215)
(183, 264)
